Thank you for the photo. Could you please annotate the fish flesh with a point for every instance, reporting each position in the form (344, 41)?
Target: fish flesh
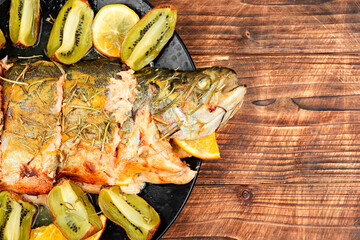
(99, 123)
(31, 135)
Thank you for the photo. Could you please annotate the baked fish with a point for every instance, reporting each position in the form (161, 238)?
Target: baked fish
(32, 134)
(99, 123)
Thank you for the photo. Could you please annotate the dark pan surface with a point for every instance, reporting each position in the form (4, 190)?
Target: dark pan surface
(167, 199)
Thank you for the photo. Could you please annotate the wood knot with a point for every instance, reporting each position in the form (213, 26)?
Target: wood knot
(247, 34)
(246, 195)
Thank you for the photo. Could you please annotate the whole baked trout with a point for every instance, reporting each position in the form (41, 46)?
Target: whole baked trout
(98, 123)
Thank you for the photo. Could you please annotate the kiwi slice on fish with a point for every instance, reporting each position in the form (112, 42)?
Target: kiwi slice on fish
(73, 213)
(16, 216)
(131, 212)
(144, 41)
(70, 37)
(2, 39)
(24, 22)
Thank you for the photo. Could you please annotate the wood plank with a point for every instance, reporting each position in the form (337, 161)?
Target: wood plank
(299, 122)
(309, 211)
(267, 26)
(296, 88)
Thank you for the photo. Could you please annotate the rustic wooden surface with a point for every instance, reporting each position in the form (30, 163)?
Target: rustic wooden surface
(290, 166)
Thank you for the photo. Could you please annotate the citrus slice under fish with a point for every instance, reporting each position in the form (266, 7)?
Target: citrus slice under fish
(110, 26)
(51, 232)
(204, 148)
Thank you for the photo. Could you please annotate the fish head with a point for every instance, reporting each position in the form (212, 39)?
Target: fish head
(197, 103)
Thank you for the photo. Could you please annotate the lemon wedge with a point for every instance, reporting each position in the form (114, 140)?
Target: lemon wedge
(110, 26)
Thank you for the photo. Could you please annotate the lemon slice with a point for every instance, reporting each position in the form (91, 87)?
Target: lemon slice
(204, 148)
(51, 232)
(110, 26)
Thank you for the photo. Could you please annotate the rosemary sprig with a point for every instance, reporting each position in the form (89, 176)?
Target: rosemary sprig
(14, 82)
(164, 109)
(59, 67)
(72, 91)
(30, 122)
(32, 150)
(39, 81)
(30, 57)
(87, 102)
(191, 89)
(38, 94)
(85, 107)
(160, 121)
(39, 148)
(98, 128)
(50, 19)
(166, 96)
(195, 109)
(105, 133)
(172, 131)
(98, 93)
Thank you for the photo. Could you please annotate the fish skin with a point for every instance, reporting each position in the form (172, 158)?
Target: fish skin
(144, 157)
(136, 148)
(188, 105)
(86, 157)
(30, 139)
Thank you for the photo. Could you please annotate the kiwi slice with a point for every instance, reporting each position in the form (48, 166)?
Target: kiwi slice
(131, 212)
(70, 37)
(72, 211)
(144, 41)
(24, 22)
(16, 216)
(2, 39)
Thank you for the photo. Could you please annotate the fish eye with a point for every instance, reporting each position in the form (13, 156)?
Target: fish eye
(203, 83)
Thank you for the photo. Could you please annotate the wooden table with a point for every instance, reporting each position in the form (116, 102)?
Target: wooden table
(290, 166)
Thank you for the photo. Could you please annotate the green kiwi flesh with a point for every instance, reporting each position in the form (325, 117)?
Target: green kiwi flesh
(145, 40)
(16, 216)
(24, 22)
(73, 213)
(131, 212)
(70, 37)
(2, 39)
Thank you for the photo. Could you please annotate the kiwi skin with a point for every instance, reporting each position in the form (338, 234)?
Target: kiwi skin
(56, 38)
(137, 55)
(94, 227)
(83, 40)
(14, 32)
(28, 212)
(2, 39)
(124, 218)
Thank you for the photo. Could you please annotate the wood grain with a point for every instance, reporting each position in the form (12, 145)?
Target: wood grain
(293, 148)
(267, 26)
(317, 211)
(299, 122)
